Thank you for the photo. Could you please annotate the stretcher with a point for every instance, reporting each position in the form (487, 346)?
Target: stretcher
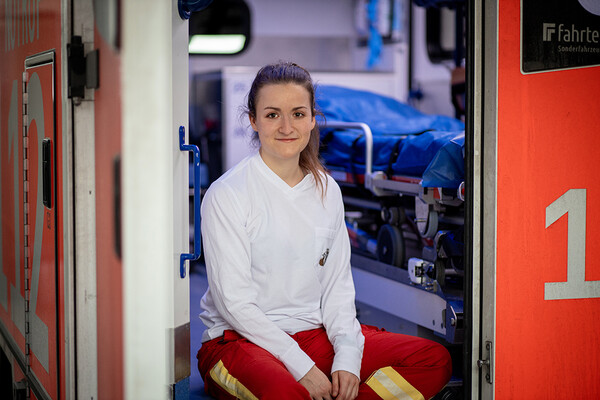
(373, 137)
(402, 178)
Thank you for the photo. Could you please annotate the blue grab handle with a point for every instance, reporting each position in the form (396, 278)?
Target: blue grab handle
(186, 7)
(197, 247)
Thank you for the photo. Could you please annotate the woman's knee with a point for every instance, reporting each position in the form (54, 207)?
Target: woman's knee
(440, 356)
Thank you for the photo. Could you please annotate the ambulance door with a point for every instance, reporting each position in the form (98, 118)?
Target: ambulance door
(87, 60)
(39, 220)
(105, 278)
(541, 199)
(153, 60)
(32, 325)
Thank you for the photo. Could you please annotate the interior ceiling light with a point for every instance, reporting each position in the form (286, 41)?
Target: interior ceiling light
(222, 28)
(216, 44)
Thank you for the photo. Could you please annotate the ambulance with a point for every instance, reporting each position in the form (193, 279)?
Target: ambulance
(103, 159)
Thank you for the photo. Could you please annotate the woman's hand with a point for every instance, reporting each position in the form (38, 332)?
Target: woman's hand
(317, 384)
(345, 385)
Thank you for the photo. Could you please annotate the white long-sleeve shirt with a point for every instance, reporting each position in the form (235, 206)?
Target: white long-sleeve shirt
(263, 242)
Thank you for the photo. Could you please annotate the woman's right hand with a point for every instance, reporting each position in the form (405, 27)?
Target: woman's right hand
(317, 384)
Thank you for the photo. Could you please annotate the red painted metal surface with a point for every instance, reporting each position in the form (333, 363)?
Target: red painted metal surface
(109, 267)
(548, 144)
(31, 231)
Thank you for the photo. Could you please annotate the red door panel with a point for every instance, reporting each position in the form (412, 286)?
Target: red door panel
(31, 250)
(41, 224)
(548, 205)
(109, 272)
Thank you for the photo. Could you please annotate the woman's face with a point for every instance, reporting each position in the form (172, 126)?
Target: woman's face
(284, 120)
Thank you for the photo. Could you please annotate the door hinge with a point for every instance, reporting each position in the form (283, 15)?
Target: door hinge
(83, 68)
(26, 218)
(486, 364)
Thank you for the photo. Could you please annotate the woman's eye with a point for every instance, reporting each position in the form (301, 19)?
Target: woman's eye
(271, 115)
(299, 114)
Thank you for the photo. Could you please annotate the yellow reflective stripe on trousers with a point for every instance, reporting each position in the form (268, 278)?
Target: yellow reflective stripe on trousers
(234, 387)
(390, 385)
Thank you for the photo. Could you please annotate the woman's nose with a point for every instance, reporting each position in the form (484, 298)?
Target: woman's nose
(286, 126)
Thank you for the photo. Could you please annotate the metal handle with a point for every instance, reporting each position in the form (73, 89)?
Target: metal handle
(47, 172)
(197, 248)
(368, 140)
(376, 181)
(186, 7)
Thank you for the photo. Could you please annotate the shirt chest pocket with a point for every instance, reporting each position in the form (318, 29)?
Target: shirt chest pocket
(323, 241)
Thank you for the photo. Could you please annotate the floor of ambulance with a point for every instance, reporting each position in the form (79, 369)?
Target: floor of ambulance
(198, 285)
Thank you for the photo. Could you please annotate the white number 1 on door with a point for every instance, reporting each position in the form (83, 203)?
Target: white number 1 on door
(573, 202)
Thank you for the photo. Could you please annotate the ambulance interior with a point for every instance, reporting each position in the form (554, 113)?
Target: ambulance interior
(390, 77)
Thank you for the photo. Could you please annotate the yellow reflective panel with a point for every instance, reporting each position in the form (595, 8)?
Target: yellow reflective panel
(221, 376)
(390, 385)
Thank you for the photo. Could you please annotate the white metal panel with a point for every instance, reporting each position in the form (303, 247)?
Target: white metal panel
(148, 175)
(432, 79)
(179, 364)
(489, 137)
(67, 213)
(85, 221)
(411, 303)
(237, 133)
(331, 18)
(180, 110)
(387, 84)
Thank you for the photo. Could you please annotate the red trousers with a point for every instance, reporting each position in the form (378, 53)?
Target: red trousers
(232, 367)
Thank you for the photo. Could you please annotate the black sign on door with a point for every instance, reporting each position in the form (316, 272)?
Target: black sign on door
(559, 34)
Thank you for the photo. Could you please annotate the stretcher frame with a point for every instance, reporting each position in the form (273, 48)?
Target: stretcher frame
(381, 185)
(437, 310)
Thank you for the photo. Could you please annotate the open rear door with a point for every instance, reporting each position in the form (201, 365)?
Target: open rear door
(541, 195)
(39, 199)
(34, 296)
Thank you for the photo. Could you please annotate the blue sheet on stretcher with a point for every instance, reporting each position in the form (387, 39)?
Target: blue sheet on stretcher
(447, 169)
(405, 141)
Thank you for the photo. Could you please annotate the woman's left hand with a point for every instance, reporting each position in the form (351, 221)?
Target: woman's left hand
(344, 385)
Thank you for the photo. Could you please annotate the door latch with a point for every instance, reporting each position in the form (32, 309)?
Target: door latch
(83, 69)
(487, 363)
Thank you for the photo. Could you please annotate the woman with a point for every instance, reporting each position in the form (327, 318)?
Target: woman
(280, 315)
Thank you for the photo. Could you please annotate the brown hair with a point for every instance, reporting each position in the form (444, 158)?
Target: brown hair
(288, 72)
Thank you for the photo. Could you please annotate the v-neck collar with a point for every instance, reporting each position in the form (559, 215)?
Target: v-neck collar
(304, 184)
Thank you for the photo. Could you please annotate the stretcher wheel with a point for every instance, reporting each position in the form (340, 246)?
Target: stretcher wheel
(426, 218)
(393, 215)
(390, 245)
(428, 226)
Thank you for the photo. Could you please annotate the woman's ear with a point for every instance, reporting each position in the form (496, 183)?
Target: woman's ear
(252, 122)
